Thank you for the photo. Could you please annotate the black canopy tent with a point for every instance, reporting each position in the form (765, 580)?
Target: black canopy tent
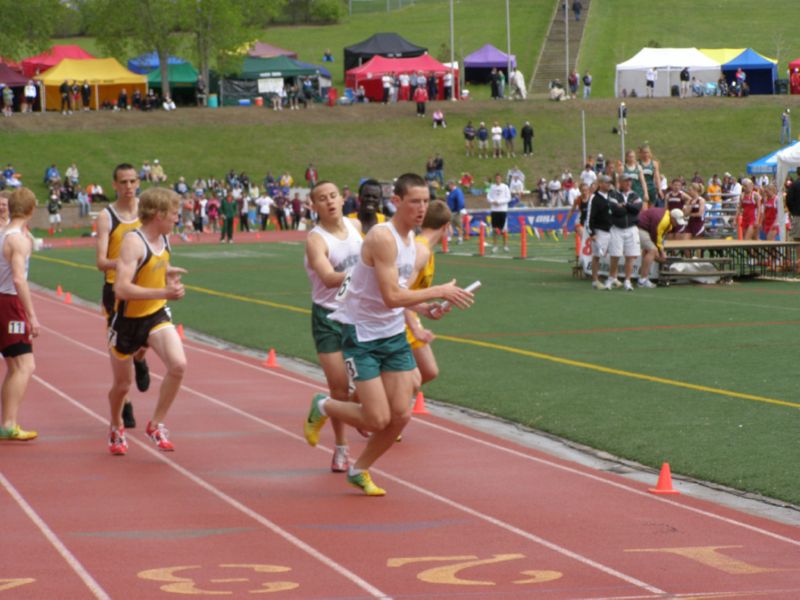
(390, 45)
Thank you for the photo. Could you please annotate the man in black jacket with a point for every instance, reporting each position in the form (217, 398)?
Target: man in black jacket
(527, 139)
(624, 206)
(599, 226)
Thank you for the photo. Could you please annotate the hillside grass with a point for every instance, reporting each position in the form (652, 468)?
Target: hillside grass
(349, 143)
(618, 29)
(425, 23)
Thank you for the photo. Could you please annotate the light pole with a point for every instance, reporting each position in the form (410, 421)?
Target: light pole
(621, 112)
(566, 42)
(453, 86)
(508, 41)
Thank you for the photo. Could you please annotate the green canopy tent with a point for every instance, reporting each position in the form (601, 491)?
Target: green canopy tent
(182, 82)
(262, 77)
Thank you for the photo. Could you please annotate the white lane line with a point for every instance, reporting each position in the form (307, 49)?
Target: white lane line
(597, 478)
(230, 501)
(59, 546)
(452, 503)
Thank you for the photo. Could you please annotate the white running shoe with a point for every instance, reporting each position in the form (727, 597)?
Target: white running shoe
(596, 285)
(628, 285)
(646, 283)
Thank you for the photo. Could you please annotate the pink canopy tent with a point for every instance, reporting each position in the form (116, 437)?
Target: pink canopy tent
(264, 50)
(46, 60)
(369, 74)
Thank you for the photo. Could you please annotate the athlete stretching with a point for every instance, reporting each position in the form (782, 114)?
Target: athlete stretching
(376, 351)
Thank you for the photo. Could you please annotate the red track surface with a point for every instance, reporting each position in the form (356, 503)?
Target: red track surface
(244, 505)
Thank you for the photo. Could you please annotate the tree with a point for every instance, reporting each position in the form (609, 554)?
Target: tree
(28, 26)
(221, 27)
(144, 25)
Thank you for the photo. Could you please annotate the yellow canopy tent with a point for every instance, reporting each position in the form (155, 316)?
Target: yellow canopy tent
(105, 75)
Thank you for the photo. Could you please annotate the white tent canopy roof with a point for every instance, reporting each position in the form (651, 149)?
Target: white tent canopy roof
(663, 58)
(668, 63)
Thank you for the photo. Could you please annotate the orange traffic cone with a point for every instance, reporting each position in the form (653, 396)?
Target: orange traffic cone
(271, 360)
(664, 485)
(419, 405)
(180, 331)
(67, 298)
(59, 291)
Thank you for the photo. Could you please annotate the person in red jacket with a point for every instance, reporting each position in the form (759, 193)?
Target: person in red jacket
(420, 97)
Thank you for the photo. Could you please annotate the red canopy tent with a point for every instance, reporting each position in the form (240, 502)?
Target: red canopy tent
(369, 74)
(794, 79)
(46, 60)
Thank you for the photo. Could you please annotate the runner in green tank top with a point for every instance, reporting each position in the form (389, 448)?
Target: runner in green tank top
(652, 175)
(632, 169)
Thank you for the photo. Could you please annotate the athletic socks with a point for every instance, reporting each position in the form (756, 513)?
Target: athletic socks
(353, 472)
(321, 405)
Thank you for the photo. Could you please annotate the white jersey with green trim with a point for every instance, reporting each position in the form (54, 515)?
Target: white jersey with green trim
(362, 303)
(343, 256)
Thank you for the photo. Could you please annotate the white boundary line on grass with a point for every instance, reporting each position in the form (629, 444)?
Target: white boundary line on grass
(229, 500)
(320, 387)
(59, 546)
(264, 521)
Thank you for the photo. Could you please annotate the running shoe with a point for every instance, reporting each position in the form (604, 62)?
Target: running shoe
(340, 461)
(142, 375)
(364, 481)
(628, 285)
(117, 444)
(160, 435)
(596, 285)
(127, 416)
(646, 283)
(613, 282)
(17, 434)
(315, 422)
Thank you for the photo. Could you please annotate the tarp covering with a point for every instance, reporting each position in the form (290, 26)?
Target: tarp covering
(181, 75)
(761, 71)
(147, 62)
(369, 74)
(106, 75)
(389, 45)
(264, 50)
(668, 63)
(10, 77)
(47, 60)
(11, 63)
(279, 66)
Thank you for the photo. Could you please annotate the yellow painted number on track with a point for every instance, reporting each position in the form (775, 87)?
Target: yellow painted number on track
(711, 556)
(448, 575)
(177, 584)
(10, 584)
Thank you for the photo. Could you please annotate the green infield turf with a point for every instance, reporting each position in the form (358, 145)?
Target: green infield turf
(700, 376)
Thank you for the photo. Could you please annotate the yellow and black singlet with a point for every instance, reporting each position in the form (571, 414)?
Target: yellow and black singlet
(151, 272)
(425, 276)
(118, 230)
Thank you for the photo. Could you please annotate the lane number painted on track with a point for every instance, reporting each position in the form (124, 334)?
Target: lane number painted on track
(449, 574)
(253, 575)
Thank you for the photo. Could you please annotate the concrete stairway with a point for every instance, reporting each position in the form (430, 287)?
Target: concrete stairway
(551, 61)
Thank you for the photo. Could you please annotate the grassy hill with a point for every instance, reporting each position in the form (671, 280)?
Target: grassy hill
(618, 29)
(426, 23)
(348, 143)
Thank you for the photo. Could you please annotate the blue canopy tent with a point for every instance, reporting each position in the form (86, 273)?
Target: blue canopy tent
(148, 62)
(767, 165)
(761, 71)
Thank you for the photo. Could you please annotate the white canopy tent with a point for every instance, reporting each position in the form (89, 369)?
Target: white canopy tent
(788, 159)
(668, 62)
